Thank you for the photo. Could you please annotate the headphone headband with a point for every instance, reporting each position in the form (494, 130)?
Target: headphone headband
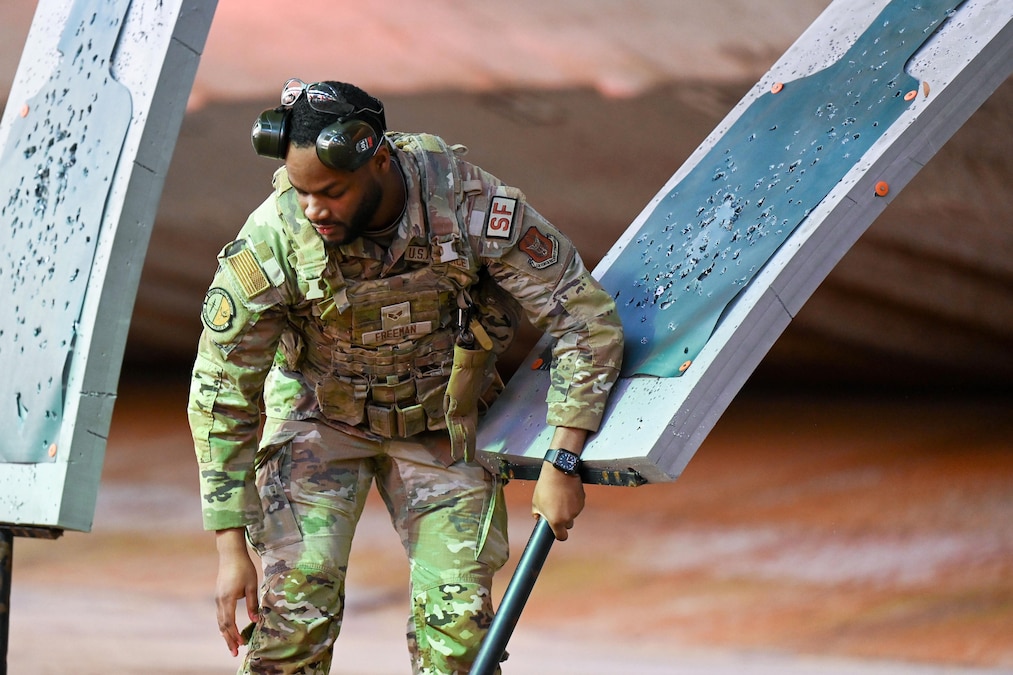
(345, 145)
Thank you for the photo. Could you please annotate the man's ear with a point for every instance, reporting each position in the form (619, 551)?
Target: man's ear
(382, 158)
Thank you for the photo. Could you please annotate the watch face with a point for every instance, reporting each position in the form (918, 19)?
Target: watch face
(566, 462)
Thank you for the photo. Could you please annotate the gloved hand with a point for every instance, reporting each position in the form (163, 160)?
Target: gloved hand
(460, 403)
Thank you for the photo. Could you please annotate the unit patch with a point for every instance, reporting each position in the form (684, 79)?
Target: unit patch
(397, 325)
(501, 218)
(542, 249)
(218, 310)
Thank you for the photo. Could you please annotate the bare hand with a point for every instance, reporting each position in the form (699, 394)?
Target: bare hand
(558, 499)
(237, 580)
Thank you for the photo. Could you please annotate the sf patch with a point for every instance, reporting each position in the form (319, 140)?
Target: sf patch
(542, 249)
(219, 310)
(502, 212)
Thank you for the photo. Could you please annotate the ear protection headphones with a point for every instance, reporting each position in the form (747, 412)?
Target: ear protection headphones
(345, 145)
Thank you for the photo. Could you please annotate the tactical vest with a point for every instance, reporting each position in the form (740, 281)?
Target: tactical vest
(379, 351)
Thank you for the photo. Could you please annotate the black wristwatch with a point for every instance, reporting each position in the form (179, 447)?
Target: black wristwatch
(564, 460)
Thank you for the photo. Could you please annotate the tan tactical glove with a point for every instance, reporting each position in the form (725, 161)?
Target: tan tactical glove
(467, 379)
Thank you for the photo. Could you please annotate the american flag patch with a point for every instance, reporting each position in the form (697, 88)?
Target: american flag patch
(248, 273)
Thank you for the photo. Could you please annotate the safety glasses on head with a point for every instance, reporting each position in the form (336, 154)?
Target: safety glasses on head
(322, 97)
(346, 145)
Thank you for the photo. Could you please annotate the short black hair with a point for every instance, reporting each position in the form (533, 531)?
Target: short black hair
(306, 123)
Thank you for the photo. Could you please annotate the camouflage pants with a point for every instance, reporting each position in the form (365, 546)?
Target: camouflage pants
(313, 482)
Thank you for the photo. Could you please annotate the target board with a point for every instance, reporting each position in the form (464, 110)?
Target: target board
(85, 142)
(728, 251)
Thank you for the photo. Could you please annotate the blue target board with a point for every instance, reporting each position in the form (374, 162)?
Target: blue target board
(725, 255)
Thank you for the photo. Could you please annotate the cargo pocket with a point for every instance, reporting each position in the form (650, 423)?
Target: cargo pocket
(343, 399)
(493, 543)
(277, 526)
(204, 389)
(562, 376)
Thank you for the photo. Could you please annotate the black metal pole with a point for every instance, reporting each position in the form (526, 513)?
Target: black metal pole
(7, 534)
(516, 595)
(6, 567)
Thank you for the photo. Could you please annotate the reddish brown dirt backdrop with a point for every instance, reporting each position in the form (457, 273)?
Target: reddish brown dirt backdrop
(810, 534)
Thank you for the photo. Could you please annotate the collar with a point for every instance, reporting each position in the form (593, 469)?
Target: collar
(412, 226)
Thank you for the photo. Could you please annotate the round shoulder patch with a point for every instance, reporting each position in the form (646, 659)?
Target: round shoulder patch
(218, 310)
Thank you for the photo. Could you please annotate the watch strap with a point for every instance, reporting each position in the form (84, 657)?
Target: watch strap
(564, 460)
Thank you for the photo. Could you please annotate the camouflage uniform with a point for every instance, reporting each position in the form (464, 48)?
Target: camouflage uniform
(351, 349)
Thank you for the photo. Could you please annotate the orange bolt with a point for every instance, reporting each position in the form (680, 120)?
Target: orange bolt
(778, 86)
(52, 450)
(882, 188)
(684, 367)
(911, 95)
(24, 110)
(537, 364)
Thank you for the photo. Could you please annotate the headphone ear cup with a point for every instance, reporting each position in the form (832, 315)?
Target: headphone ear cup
(346, 145)
(270, 134)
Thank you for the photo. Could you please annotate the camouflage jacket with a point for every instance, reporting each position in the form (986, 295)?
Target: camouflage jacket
(303, 331)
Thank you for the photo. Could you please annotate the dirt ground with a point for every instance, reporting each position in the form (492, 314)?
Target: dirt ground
(830, 534)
